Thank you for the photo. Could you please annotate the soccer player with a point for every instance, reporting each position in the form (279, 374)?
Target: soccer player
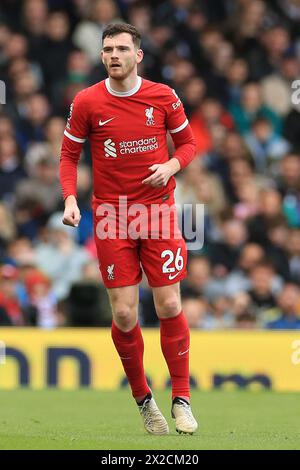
(126, 119)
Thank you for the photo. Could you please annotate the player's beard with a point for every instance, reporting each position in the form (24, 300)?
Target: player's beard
(121, 73)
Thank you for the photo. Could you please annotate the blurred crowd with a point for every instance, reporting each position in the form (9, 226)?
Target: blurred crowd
(234, 64)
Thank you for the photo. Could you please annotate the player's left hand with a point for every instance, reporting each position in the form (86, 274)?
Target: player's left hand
(162, 172)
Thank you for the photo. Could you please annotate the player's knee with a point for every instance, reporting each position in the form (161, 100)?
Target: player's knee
(124, 318)
(169, 307)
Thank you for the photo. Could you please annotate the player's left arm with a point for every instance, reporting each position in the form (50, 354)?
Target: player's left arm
(183, 138)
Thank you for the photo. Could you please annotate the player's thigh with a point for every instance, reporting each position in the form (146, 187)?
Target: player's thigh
(167, 300)
(164, 261)
(119, 262)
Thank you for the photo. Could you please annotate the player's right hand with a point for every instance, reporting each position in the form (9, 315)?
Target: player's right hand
(72, 213)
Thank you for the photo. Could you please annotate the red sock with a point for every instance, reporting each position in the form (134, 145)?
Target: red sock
(175, 343)
(130, 346)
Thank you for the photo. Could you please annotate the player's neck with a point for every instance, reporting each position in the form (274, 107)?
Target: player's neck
(125, 85)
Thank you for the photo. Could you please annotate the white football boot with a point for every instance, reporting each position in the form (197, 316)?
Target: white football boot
(154, 421)
(184, 419)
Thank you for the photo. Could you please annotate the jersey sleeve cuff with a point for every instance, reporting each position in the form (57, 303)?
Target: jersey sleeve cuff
(180, 128)
(72, 137)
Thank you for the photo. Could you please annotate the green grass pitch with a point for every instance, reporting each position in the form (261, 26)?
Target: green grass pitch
(87, 419)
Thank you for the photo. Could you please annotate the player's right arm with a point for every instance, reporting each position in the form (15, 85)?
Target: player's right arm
(74, 136)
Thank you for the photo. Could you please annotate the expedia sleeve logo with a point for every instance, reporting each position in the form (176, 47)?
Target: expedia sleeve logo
(70, 116)
(178, 102)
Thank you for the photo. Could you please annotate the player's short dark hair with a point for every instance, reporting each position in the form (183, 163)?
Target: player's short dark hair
(113, 29)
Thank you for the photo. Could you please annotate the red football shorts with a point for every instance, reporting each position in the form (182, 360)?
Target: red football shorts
(130, 238)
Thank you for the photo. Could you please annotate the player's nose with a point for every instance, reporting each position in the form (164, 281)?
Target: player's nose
(114, 54)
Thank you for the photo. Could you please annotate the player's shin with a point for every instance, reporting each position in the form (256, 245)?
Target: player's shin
(175, 344)
(130, 347)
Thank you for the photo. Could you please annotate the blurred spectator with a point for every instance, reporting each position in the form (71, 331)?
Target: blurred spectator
(9, 301)
(251, 107)
(11, 171)
(291, 127)
(7, 230)
(245, 25)
(289, 11)
(42, 186)
(37, 110)
(241, 173)
(232, 148)
(221, 316)
(238, 280)
(38, 196)
(266, 147)
(88, 302)
(21, 252)
(246, 321)
(248, 200)
(277, 236)
(242, 311)
(225, 254)
(292, 246)
(24, 84)
(173, 12)
(288, 183)
(276, 88)
(60, 258)
(5, 35)
(193, 93)
(4, 318)
(196, 312)
(187, 183)
(57, 47)
(261, 292)
(209, 114)
(200, 280)
(53, 131)
(270, 209)
(87, 35)
(273, 42)
(288, 312)
(209, 191)
(236, 74)
(78, 70)
(34, 19)
(16, 47)
(41, 307)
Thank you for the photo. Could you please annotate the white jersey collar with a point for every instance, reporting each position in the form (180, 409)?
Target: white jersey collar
(122, 94)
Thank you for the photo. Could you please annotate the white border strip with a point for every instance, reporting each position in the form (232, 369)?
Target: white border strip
(123, 94)
(2, 352)
(76, 139)
(178, 129)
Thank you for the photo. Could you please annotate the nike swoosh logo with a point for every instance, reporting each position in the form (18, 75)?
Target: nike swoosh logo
(173, 276)
(182, 353)
(101, 123)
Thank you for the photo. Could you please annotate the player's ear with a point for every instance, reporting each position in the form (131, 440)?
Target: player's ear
(101, 56)
(140, 55)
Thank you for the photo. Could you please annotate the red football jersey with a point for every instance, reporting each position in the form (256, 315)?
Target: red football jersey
(127, 133)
